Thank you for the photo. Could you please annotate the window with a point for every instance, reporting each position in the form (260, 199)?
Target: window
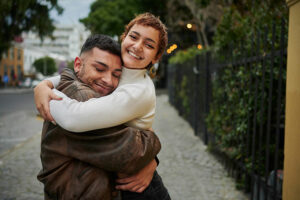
(5, 69)
(19, 54)
(11, 53)
(5, 54)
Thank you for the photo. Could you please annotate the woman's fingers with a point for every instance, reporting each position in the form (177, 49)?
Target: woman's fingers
(42, 96)
(125, 180)
(127, 186)
(132, 184)
(53, 96)
(47, 113)
(141, 189)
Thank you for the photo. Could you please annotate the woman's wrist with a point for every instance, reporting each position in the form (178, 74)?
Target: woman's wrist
(48, 84)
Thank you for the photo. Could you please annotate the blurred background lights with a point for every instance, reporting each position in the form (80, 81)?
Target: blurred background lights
(171, 48)
(189, 26)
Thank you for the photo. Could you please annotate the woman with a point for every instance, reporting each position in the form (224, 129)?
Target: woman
(133, 102)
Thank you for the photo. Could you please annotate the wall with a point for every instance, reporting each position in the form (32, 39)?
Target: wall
(291, 181)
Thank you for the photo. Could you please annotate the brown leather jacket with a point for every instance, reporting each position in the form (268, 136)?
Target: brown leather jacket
(83, 165)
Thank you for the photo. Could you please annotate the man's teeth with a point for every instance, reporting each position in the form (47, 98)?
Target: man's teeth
(137, 57)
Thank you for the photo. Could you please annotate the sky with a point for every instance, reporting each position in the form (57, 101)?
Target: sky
(73, 11)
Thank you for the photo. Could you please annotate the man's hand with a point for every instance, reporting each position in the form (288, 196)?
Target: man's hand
(138, 182)
(42, 96)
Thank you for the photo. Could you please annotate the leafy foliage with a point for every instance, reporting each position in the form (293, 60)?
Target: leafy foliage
(240, 92)
(45, 65)
(182, 56)
(105, 16)
(240, 99)
(242, 21)
(18, 16)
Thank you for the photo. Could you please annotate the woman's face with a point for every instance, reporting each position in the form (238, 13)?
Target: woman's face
(140, 46)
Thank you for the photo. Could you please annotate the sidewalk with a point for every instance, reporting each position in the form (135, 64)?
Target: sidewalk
(188, 170)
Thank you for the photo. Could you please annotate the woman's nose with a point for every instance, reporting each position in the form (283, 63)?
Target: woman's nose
(138, 45)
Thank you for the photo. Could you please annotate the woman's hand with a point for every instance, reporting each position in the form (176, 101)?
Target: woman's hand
(42, 96)
(139, 181)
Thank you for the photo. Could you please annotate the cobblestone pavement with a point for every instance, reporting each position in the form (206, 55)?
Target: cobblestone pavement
(188, 170)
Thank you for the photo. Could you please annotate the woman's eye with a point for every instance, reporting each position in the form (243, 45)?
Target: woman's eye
(150, 46)
(132, 36)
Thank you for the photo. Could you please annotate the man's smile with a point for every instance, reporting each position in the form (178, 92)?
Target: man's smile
(103, 87)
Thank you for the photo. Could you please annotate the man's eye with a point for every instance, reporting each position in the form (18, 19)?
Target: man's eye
(99, 70)
(117, 76)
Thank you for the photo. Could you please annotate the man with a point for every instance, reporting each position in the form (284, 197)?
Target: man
(83, 165)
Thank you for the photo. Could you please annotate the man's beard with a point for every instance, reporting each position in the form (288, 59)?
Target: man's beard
(80, 73)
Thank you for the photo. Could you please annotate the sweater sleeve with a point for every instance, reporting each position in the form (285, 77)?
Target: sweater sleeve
(123, 105)
(55, 80)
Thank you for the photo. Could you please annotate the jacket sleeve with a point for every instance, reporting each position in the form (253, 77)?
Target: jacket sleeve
(119, 149)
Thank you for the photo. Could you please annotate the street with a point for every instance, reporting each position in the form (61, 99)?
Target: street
(188, 170)
(18, 118)
(20, 130)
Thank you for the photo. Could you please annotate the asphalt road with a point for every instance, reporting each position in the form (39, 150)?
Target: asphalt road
(11, 102)
(18, 118)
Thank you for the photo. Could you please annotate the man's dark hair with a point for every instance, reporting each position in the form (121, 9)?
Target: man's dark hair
(102, 42)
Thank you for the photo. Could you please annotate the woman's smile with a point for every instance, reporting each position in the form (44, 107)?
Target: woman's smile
(134, 55)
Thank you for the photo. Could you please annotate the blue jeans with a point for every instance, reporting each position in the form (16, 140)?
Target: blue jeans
(155, 191)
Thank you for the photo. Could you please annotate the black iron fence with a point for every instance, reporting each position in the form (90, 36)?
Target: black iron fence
(237, 108)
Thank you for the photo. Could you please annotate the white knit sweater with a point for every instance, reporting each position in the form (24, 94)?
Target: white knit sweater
(133, 102)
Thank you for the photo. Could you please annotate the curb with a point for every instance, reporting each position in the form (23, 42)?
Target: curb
(16, 90)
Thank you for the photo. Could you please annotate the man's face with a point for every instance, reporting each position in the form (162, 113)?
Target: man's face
(99, 69)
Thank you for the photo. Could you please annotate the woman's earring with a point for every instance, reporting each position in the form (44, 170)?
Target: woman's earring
(152, 71)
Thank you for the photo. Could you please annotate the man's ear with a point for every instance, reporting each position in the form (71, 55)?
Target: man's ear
(77, 64)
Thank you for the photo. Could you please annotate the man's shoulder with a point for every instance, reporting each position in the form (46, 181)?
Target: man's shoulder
(80, 91)
(74, 88)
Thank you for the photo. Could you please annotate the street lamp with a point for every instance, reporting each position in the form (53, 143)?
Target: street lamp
(189, 26)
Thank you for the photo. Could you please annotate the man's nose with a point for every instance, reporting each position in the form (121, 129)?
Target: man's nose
(107, 78)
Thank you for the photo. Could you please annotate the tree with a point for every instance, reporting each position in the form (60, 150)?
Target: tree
(206, 15)
(110, 17)
(45, 65)
(18, 16)
(242, 19)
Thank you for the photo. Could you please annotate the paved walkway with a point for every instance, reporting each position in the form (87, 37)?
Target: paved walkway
(187, 169)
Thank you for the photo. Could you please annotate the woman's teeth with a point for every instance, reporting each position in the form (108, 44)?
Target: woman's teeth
(134, 55)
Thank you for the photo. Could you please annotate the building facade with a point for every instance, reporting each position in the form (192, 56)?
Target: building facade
(66, 41)
(63, 46)
(12, 64)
